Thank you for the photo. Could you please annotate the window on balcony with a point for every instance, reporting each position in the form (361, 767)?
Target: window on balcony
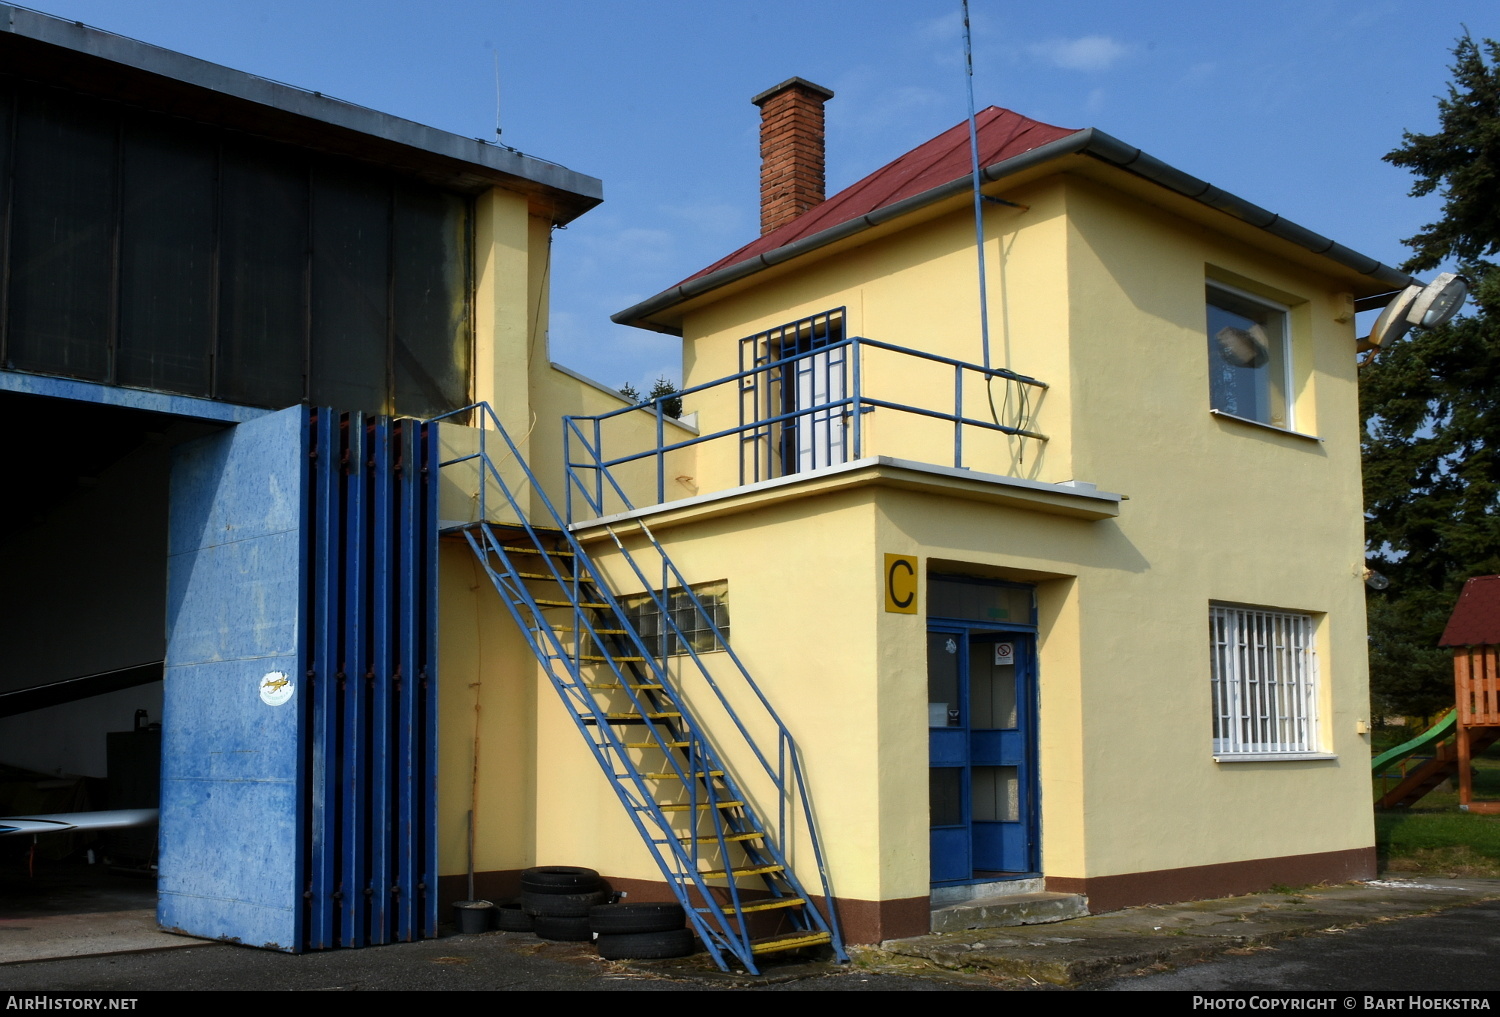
(799, 402)
(1249, 363)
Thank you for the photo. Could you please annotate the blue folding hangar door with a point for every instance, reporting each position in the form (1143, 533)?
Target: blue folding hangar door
(299, 749)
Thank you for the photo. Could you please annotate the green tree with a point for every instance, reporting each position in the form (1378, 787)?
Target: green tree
(663, 386)
(671, 406)
(1430, 405)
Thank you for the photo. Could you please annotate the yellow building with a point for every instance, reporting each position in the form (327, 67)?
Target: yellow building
(1081, 612)
(892, 616)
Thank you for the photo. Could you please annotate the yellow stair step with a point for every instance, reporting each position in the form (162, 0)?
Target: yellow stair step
(748, 870)
(711, 839)
(598, 659)
(606, 686)
(569, 603)
(656, 745)
(673, 776)
(770, 904)
(789, 941)
(702, 806)
(532, 550)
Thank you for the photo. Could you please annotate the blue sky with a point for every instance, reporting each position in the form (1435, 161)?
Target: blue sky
(1288, 104)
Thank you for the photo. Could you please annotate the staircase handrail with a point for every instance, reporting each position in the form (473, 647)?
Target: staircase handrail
(788, 753)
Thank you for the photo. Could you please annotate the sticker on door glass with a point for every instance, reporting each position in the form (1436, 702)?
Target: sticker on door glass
(951, 646)
(275, 688)
(1005, 653)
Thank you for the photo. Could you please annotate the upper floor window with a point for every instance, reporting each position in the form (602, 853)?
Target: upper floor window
(798, 391)
(1249, 360)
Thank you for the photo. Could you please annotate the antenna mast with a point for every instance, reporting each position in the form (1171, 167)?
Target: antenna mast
(984, 304)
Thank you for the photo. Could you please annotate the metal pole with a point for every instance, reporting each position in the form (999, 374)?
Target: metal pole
(984, 306)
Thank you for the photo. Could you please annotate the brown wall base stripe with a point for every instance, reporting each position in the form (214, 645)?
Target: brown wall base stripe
(870, 921)
(1200, 882)
(860, 921)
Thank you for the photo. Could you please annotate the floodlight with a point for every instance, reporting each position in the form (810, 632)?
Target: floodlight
(1439, 300)
(1392, 323)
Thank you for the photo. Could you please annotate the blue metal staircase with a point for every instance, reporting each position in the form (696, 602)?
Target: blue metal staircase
(725, 859)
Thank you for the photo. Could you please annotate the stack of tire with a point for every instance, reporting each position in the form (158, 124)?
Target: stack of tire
(571, 904)
(645, 931)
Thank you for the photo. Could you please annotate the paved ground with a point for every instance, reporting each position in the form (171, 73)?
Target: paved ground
(1455, 951)
(68, 910)
(1411, 933)
(1150, 939)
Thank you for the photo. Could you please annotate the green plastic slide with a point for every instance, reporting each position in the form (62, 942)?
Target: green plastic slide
(1427, 739)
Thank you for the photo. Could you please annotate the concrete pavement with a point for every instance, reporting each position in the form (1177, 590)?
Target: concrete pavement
(1160, 937)
(118, 946)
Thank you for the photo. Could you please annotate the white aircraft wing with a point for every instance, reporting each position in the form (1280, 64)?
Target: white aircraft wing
(62, 822)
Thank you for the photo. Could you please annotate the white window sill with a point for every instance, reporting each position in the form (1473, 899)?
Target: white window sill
(1264, 426)
(1270, 757)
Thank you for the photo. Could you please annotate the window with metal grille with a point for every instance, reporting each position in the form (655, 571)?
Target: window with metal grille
(689, 627)
(1265, 680)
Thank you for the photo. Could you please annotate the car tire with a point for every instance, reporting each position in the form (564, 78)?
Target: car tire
(646, 945)
(511, 917)
(562, 905)
(560, 879)
(647, 916)
(563, 928)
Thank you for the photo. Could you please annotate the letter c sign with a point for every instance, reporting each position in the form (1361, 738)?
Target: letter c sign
(901, 584)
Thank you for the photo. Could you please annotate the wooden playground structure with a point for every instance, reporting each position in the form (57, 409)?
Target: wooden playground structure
(1473, 725)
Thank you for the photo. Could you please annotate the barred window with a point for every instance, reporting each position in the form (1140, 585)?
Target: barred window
(1265, 679)
(692, 627)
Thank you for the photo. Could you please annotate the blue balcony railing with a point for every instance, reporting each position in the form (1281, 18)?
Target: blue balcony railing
(805, 411)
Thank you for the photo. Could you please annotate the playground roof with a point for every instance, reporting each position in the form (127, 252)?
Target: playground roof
(1476, 618)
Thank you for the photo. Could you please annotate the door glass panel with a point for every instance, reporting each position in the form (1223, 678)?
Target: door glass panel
(943, 707)
(954, 598)
(995, 794)
(945, 796)
(992, 688)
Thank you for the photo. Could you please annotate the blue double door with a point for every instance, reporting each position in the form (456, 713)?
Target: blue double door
(982, 753)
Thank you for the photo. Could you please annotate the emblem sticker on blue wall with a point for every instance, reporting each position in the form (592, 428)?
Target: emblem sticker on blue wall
(276, 688)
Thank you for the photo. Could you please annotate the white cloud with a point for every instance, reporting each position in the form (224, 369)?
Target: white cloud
(1089, 53)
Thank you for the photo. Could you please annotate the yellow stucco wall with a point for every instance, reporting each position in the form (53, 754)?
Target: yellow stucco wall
(916, 288)
(494, 703)
(1101, 295)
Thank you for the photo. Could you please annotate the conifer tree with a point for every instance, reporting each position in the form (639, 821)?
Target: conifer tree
(671, 407)
(1430, 405)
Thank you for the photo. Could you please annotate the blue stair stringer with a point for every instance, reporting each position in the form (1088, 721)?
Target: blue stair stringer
(691, 813)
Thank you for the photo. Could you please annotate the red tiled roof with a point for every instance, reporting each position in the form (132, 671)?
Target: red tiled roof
(1476, 618)
(1003, 134)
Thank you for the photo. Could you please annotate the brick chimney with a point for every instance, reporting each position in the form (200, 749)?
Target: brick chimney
(791, 150)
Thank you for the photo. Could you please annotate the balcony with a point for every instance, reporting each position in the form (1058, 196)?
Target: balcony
(825, 411)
